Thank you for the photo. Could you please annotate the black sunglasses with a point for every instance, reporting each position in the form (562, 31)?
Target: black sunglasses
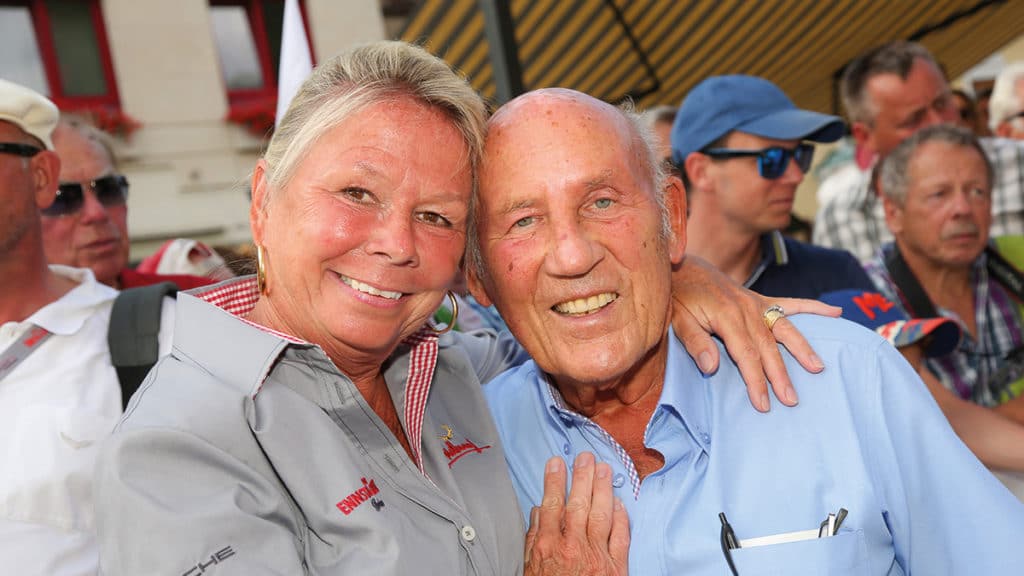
(24, 150)
(110, 191)
(771, 162)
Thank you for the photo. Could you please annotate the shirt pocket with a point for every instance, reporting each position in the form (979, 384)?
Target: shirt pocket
(49, 458)
(842, 554)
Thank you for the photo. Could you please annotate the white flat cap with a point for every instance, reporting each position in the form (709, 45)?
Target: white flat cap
(28, 110)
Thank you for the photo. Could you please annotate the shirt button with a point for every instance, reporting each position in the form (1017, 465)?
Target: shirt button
(566, 448)
(706, 438)
(618, 480)
(468, 533)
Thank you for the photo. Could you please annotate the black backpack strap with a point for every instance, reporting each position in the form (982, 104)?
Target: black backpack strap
(134, 334)
(916, 301)
(1011, 279)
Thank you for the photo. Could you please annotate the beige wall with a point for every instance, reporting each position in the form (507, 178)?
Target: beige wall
(165, 60)
(338, 24)
(187, 165)
(1014, 51)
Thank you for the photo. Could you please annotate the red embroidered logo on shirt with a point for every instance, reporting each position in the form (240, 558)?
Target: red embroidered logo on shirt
(353, 500)
(455, 451)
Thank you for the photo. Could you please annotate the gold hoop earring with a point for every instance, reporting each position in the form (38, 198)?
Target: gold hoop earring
(261, 271)
(455, 314)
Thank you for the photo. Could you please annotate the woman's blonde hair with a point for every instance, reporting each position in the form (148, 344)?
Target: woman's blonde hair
(361, 77)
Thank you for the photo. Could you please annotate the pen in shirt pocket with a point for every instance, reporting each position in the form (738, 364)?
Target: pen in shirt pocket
(830, 525)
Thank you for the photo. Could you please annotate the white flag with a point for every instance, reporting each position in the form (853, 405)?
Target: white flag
(296, 63)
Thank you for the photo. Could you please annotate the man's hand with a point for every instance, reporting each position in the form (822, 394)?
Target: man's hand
(707, 302)
(589, 534)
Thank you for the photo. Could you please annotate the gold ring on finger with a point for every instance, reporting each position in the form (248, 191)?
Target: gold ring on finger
(772, 315)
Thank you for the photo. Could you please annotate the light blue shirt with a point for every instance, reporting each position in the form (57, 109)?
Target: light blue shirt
(867, 436)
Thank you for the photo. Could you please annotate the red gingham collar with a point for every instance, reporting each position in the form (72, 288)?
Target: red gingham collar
(239, 296)
(422, 361)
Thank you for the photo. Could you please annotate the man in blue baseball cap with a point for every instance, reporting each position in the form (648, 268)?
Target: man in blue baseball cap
(742, 148)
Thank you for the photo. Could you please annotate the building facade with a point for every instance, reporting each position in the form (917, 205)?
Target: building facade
(188, 86)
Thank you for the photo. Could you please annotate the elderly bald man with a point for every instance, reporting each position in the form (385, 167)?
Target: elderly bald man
(579, 232)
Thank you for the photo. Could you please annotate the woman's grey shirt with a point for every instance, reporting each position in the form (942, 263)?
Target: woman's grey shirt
(245, 453)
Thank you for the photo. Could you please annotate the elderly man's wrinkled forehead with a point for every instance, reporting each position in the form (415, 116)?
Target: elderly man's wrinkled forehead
(550, 106)
(535, 118)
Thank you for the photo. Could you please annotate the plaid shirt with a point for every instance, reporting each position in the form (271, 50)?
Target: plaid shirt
(855, 221)
(971, 370)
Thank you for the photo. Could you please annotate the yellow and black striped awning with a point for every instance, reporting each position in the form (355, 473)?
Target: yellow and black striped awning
(655, 50)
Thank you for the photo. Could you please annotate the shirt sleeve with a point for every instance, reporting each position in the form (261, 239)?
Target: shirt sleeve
(491, 353)
(947, 514)
(852, 220)
(825, 225)
(1007, 157)
(168, 502)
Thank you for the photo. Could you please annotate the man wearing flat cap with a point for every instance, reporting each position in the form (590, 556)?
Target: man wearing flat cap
(59, 395)
(743, 148)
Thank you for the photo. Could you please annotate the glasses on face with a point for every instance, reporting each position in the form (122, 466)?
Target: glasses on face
(771, 162)
(23, 150)
(110, 191)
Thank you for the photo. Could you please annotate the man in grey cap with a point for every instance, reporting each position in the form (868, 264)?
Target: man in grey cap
(59, 394)
(742, 149)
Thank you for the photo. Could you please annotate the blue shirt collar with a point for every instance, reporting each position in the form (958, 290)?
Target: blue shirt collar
(684, 396)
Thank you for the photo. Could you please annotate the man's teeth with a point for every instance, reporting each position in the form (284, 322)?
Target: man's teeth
(586, 305)
(353, 283)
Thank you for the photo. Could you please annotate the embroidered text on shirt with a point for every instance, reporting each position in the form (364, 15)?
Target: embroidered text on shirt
(455, 451)
(215, 558)
(353, 500)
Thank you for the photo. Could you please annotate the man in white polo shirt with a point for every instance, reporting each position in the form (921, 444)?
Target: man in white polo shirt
(59, 393)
